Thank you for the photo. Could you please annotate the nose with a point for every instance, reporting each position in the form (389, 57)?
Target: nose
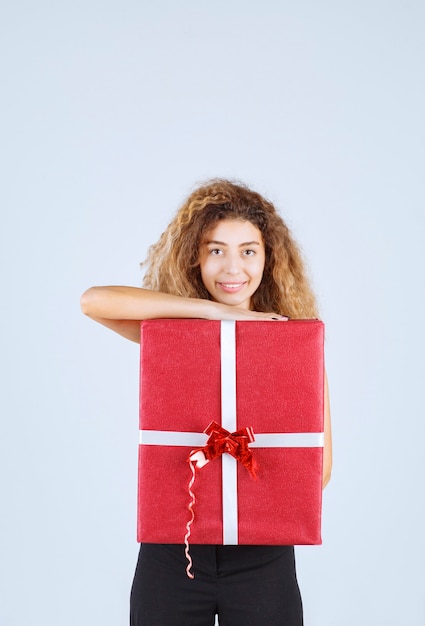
(232, 264)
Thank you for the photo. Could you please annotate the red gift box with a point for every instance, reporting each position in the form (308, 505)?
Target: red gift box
(268, 376)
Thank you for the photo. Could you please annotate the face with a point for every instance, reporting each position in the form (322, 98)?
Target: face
(232, 258)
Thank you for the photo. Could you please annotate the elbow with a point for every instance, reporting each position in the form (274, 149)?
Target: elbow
(326, 478)
(327, 471)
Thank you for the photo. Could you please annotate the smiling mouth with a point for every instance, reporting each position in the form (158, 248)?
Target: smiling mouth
(231, 286)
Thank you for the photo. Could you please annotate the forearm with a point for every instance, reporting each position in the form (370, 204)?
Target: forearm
(122, 308)
(134, 303)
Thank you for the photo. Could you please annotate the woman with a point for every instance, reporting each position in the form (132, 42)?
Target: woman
(226, 255)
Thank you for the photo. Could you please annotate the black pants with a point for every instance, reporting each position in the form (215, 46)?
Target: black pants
(244, 585)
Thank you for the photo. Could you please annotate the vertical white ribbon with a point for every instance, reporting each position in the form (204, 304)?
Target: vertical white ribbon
(228, 421)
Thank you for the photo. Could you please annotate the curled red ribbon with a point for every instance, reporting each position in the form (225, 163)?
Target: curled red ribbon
(221, 440)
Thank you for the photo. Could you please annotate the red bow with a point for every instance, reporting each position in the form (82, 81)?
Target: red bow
(221, 440)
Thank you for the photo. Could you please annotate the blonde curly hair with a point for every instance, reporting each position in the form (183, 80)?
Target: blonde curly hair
(173, 262)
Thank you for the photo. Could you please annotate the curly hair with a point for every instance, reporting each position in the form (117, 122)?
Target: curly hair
(173, 262)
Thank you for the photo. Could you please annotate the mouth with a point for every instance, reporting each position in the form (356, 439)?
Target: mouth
(231, 287)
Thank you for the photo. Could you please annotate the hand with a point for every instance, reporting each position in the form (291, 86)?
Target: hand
(225, 312)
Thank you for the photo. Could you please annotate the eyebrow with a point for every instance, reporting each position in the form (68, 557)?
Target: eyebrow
(241, 245)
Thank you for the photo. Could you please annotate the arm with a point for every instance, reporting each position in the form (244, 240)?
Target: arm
(327, 451)
(122, 308)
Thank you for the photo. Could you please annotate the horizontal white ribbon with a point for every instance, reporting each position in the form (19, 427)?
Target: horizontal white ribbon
(262, 440)
(228, 421)
(171, 438)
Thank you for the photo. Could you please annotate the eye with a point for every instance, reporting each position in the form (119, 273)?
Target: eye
(216, 251)
(249, 252)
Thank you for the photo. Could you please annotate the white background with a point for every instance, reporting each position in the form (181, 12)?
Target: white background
(111, 113)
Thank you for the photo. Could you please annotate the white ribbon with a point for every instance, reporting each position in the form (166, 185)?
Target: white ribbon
(262, 440)
(228, 421)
